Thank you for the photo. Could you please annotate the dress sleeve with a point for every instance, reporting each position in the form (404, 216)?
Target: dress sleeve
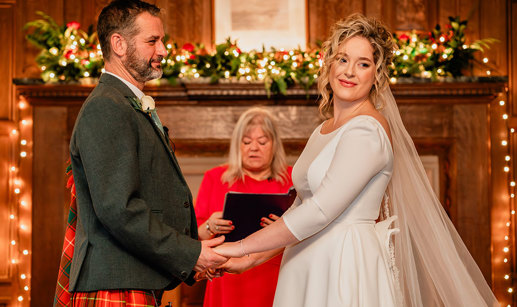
(360, 155)
(203, 200)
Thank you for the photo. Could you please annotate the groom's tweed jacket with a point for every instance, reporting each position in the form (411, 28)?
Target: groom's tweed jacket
(136, 226)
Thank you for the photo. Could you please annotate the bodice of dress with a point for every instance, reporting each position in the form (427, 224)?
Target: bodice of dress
(340, 177)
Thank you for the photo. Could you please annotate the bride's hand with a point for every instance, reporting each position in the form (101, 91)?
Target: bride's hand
(237, 265)
(230, 249)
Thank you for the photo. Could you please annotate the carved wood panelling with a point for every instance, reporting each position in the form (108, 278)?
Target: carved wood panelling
(5, 199)
(189, 21)
(6, 65)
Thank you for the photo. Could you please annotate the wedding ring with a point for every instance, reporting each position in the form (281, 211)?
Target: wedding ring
(216, 227)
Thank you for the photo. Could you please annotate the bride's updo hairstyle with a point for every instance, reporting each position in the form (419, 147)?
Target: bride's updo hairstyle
(383, 46)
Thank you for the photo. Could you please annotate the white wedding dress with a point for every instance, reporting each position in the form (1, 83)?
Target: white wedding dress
(342, 258)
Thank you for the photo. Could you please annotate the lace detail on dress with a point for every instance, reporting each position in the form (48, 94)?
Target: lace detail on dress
(390, 247)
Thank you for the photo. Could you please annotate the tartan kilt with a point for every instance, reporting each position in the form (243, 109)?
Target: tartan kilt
(115, 298)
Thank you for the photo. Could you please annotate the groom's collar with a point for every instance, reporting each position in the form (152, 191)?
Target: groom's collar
(138, 93)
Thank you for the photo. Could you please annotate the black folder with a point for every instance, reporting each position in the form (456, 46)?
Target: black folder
(246, 209)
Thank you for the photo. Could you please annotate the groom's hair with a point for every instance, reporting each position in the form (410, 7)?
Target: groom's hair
(119, 17)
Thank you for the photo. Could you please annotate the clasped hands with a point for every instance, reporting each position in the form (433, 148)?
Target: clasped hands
(217, 257)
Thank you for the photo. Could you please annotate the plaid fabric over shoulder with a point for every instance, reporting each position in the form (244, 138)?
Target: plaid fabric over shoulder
(113, 298)
(62, 296)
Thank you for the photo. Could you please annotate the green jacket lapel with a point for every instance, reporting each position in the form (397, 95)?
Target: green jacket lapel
(115, 83)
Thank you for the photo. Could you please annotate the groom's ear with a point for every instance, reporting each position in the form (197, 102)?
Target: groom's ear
(118, 44)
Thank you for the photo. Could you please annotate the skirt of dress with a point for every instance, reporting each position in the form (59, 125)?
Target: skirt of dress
(345, 264)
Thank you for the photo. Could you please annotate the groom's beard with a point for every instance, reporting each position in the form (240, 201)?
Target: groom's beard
(141, 69)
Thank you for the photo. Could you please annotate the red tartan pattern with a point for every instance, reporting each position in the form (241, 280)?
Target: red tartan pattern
(113, 298)
(62, 296)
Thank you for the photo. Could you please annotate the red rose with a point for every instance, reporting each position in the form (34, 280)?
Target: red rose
(69, 53)
(73, 24)
(238, 50)
(188, 47)
(192, 57)
(403, 37)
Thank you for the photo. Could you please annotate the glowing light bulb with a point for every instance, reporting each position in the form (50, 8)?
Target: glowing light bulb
(508, 224)
(26, 288)
(504, 142)
(20, 298)
(506, 169)
(485, 60)
(17, 191)
(13, 168)
(23, 154)
(12, 216)
(505, 116)
(510, 290)
(506, 249)
(505, 260)
(506, 238)
(507, 158)
(501, 102)
(506, 276)
(512, 183)
(23, 142)
(23, 276)
(25, 252)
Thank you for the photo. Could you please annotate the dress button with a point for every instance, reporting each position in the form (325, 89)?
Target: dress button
(184, 274)
(186, 204)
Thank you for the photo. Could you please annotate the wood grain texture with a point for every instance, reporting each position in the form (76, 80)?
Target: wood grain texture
(50, 200)
(7, 56)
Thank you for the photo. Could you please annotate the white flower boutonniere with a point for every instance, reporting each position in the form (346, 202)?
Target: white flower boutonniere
(147, 103)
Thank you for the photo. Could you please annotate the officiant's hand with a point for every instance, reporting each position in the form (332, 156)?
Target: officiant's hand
(265, 221)
(216, 225)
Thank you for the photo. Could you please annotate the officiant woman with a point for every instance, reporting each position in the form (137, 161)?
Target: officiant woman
(256, 164)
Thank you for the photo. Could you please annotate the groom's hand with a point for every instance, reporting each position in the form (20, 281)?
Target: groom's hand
(209, 259)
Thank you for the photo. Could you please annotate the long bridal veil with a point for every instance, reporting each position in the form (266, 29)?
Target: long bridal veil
(434, 266)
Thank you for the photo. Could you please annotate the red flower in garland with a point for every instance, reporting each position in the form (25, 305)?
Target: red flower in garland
(69, 53)
(73, 24)
(188, 47)
(403, 36)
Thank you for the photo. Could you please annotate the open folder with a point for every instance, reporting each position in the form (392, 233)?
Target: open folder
(246, 209)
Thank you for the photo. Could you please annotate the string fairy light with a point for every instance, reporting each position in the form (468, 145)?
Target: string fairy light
(20, 206)
(507, 250)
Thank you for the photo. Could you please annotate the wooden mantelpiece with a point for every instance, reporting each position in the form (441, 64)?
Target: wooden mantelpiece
(460, 123)
(189, 94)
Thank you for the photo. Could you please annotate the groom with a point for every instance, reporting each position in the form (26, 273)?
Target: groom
(136, 230)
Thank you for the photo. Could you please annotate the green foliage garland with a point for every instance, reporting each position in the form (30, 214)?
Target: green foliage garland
(69, 54)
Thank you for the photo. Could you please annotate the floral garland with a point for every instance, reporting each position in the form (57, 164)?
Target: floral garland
(69, 54)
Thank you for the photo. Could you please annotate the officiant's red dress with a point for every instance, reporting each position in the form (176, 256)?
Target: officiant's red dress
(253, 288)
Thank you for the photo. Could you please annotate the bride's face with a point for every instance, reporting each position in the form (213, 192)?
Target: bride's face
(352, 74)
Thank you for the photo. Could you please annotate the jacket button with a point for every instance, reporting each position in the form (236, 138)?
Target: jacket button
(184, 275)
(186, 204)
(186, 231)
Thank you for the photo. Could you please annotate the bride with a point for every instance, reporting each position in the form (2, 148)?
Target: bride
(357, 163)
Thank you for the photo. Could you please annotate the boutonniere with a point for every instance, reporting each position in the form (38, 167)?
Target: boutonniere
(146, 104)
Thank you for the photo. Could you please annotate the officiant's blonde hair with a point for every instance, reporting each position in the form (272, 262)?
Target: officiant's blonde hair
(381, 39)
(256, 116)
